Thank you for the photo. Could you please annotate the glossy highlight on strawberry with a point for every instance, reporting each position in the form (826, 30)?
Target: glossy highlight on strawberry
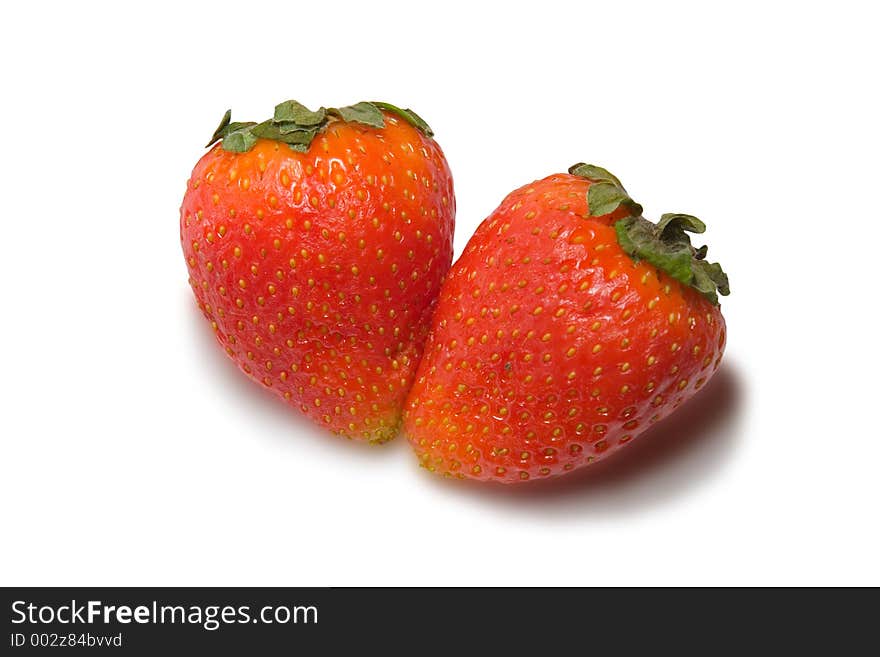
(554, 346)
(316, 244)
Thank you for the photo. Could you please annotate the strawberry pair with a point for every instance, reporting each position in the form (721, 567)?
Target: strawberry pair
(319, 246)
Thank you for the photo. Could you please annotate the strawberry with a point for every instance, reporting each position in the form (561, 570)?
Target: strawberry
(316, 243)
(569, 325)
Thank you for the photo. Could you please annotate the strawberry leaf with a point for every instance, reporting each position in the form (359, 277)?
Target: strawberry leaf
(606, 193)
(226, 128)
(284, 128)
(239, 141)
(605, 197)
(407, 115)
(667, 246)
(271, 130)
(292, 112)
(677, 223)
(362, 112)
(235, 126)
(300, 137)
(266, 130)
(221, 129)
(594, 173)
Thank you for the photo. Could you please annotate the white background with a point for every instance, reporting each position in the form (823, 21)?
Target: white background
(133, 452)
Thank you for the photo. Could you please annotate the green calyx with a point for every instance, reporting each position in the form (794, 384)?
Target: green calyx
(606, 193)
(296, 125)
(407, 115)
(666, 244)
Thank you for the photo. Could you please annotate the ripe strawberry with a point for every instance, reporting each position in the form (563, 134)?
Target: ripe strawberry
(569, 325)
(316, 244)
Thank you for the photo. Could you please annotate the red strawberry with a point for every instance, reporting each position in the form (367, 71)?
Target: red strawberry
(316, 244)
(569, 325)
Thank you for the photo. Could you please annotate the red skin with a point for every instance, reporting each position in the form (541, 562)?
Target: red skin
(319, 271)
(551, 348)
